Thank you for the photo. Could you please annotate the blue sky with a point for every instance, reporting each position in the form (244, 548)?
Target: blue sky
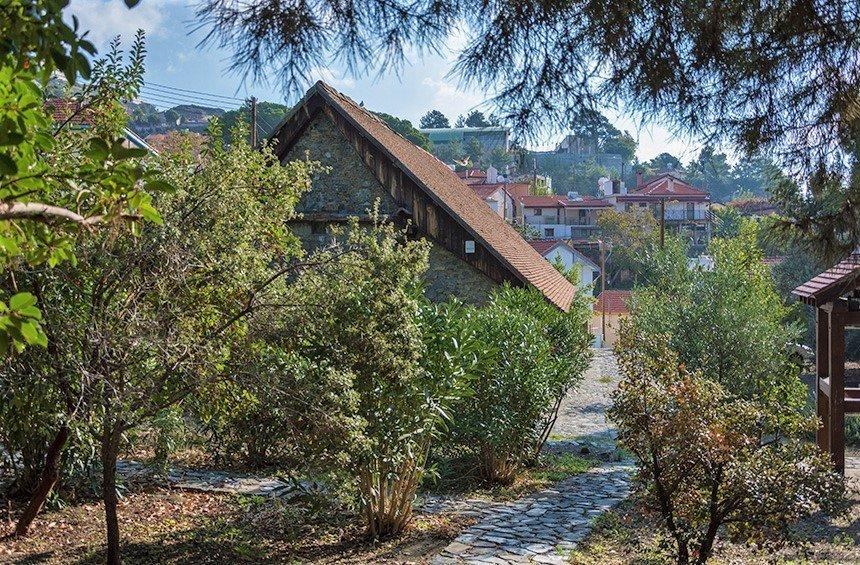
(175, 60)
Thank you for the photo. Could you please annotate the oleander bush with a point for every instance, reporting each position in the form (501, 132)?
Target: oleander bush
(532, 354)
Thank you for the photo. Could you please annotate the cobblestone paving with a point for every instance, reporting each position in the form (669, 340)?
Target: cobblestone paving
(583, 413)
(546, 526)
(211, 481)
(543, 527)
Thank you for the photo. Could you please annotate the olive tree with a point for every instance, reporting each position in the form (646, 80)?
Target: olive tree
(145, 320)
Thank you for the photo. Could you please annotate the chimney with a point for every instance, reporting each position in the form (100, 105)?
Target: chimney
(640, 182)
(492, 175)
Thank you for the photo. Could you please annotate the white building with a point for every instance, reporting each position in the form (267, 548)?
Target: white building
(558, 250)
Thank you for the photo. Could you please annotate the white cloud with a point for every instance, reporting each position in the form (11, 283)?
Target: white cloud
(332, 78)
(450, 99)
(105, 19)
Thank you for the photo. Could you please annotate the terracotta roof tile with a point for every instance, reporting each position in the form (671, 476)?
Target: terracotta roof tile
(832, 283)
(664, 186)
(462, 202)
(613, 302)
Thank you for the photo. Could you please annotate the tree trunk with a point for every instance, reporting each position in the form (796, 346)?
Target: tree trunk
(50, 475)
(110, 446)
(683, 553)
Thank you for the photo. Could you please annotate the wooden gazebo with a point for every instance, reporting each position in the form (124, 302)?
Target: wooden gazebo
(835, 297)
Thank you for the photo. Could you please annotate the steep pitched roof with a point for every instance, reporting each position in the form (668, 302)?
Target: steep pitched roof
(443, 186)
(613, 302)
(832, 283)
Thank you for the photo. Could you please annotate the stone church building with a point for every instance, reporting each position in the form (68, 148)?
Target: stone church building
(474, 249)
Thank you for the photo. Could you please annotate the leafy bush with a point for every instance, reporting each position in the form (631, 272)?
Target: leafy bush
(708, 459)
(359, 371)
(729, 322)
(532, 355)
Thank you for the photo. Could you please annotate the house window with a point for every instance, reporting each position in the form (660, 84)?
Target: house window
(582, 214)
(549, 232)
(643, 204)
(538, 211)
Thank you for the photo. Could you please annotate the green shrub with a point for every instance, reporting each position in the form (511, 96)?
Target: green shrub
(357, 375)
(708, 459)
(532, 355)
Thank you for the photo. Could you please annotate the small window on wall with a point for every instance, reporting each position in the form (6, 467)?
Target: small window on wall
(318, 228)
(538, 211)
(549, 232)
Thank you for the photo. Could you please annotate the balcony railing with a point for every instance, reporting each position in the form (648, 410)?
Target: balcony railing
(684, 215)
(552, 220)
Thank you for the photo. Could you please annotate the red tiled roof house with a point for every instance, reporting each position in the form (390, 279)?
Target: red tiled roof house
(474, 249)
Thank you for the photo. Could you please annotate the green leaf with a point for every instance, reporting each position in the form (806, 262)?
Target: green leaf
(21, 301)
(98, 149)
(7, 165)
(31, 312)
(30, 331)
(159, 185)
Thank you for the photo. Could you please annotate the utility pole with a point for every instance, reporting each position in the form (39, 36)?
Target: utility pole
(602, 290)
(253, 103)
(662, 222)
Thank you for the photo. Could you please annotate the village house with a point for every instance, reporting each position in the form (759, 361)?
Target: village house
(558, 250)
(685, 208)
(474, 249)
(497, 198)
(611, 307)
(562, 217)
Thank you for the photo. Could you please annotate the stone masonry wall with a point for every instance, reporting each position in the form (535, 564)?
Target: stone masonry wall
(350, 188)
(448, 275)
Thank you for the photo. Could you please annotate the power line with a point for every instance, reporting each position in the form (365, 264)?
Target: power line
(179, 100)
(196, 92)
(196, 99)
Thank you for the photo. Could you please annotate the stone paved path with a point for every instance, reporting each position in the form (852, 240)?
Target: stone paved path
(214, 481)
(544, 527)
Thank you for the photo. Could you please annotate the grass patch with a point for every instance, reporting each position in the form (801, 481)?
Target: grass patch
(458, 476)
(629, 534)
(604, 379)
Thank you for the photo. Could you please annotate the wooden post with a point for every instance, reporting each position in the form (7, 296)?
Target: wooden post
(662, 222)
(602, 290)
(837, 384)
(253, 103)
(822, 371)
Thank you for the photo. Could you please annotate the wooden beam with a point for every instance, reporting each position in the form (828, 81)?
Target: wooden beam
(852, 406)
(836, 399)
(822, 367)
